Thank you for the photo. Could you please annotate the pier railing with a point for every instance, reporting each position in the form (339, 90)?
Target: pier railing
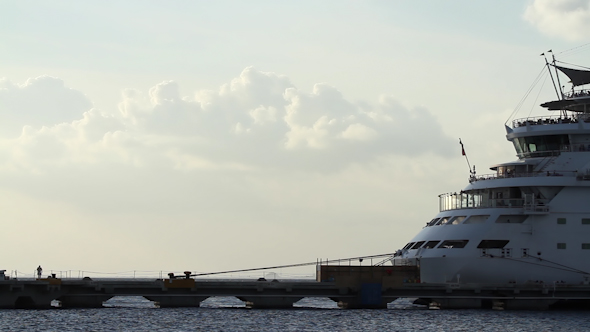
(153, 275)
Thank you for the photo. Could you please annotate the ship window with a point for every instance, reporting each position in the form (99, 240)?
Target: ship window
(433, 222)
(561, 246)
(585, 221)
(525, 252)
(511, 219)
(532, 147)
(442, 221)
(489, 244)
(431, 244)
(517, 146)
(478, 219)
(541, 143)
(506, 252)
(561, 221)
(409, 245)
(418, 245)
(455, 220)
(453, 244)
(585, 245)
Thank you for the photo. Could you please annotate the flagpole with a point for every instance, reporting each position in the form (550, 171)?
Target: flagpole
(471, 172)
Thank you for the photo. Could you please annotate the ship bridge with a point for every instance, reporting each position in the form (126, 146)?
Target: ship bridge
(550, 135)
(569, 131)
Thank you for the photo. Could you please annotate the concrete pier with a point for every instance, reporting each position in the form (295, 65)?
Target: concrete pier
(35, 295)
(352, 287)
(368, 284)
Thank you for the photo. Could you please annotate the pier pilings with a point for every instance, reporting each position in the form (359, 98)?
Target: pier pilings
(22, 295)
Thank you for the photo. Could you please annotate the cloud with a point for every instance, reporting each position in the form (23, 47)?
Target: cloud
(567, 19)
(359, 132)
(257, 121)
(255, 158)
(41, 101)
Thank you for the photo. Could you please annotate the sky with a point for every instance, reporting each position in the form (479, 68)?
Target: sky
(213, 136)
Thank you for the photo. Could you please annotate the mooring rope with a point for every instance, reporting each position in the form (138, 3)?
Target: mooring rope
(360, 258)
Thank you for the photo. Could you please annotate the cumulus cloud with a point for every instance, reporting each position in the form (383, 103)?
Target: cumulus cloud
(41, 101)
(257, 121)
(256, 157)
(568, 19)
(359, 132)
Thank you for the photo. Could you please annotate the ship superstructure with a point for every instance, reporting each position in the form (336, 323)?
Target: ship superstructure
(530, 220)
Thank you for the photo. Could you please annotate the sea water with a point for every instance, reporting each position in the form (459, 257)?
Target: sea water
(310, 314)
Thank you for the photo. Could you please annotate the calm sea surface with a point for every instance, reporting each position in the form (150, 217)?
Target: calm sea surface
(229, 314)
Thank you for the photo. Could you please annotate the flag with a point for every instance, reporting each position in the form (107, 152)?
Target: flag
(462, 149)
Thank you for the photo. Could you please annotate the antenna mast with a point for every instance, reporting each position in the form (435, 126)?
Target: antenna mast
(560, 96)
(556, 74)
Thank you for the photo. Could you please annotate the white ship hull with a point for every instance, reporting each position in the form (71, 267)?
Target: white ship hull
(531, 254)
(527, 223)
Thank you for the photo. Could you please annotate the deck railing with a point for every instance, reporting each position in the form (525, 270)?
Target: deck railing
(485, 177)
(577, 94)
(550, 120)
(457, 201)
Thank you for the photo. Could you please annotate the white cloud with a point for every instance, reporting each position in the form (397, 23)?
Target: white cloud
(219, 166)
(245, 168)
(41, 101)
(258, 157)
(315, 119)
(255, 112)
(165, 93)
(567, 19)
(262, 115)
(359, 132)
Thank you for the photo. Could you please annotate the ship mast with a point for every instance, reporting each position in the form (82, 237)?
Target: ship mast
(559, 95)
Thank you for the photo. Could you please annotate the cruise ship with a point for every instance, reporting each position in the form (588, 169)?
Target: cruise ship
(529, 221)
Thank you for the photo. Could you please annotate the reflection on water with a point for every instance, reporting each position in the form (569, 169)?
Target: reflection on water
(309, 314)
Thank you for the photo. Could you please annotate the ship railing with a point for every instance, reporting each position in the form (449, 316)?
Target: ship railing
(405, 262)
(542, 120)
(547, 153)
(536, 207)
(577, 94)
(550, 120)
(496, 176)
(457, 201)
(550, 153)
